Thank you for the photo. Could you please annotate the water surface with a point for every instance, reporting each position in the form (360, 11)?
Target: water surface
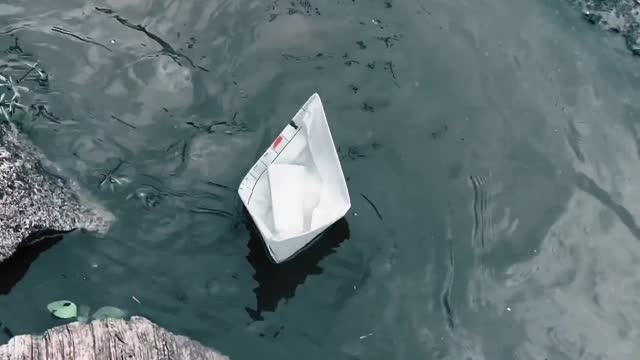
(491, 149)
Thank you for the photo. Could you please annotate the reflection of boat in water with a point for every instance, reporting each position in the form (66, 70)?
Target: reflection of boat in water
(280, 281)
(296, 190)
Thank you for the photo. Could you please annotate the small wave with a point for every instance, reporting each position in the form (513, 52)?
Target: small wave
(481, 217)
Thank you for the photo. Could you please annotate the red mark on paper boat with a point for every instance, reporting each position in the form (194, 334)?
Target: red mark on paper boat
(277, 142)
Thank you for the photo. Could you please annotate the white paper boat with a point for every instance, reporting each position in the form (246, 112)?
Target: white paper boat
(296, 190)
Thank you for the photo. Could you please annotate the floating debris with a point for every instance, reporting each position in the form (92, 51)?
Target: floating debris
(389, 66)
(11, 91)
(122, 121)
(167, 49)
(8, 105)
(367, 108)
(63, 309)
(389, 40)
(86, 40)
(373, 206)
(110, 178)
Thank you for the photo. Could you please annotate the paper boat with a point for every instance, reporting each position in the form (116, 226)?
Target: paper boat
(296, 190)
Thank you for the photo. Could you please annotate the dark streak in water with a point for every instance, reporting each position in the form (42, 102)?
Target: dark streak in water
(194, 125)
(476, 194)
(44, 170)
(476, 208)
(446, 294)
(87, 40)
(447, 308)
(13, 29)
(31, 68)
(586, 184)
(177, 194)
(389, 40)
(357, 152)
(206, 194)
(166, 47)
(184, 152)
(41, 110)
(170, 147)
(573, 138)
(218, 185)
(367, 108)
(373, 206)
(205, 210)
(152, 177)
(318, 56)
(389, 66)
(15, 48)
(105, 10)
(109, 175)
(122, 121)
(483, 208)
(440, 132)
(480, 204)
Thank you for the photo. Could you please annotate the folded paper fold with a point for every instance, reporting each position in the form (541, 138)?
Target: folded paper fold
(296, 189)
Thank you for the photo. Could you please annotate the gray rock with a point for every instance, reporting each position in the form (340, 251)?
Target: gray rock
(618, 16)
(34, 201)
(137, 338)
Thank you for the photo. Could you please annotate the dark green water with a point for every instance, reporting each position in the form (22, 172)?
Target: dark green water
(498, 141)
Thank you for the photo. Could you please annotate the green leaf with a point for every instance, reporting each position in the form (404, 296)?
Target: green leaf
(109, 312)
(63, 309)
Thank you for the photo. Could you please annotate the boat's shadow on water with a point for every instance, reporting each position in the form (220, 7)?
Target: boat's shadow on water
(279, 281)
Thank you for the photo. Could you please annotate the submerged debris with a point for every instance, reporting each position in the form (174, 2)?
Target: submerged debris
(11, 91)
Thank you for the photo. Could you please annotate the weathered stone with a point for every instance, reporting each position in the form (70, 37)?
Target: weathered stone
(34, 201)
(137, 338)
(619, 16)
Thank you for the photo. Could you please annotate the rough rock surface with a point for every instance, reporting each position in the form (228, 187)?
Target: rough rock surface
(619, 16)
(137, 338)
(33, 200)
